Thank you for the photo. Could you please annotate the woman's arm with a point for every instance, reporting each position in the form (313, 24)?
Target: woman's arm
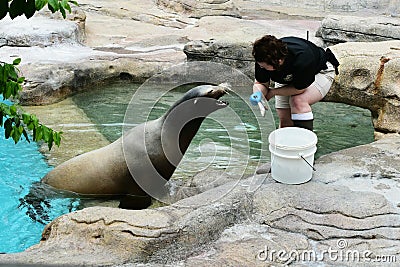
(263, 87)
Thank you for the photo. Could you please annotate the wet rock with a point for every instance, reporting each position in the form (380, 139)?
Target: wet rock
(116, 236)
(264, 169)
(199, 183)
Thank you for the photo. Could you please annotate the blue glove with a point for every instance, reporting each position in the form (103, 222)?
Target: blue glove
(255, 98)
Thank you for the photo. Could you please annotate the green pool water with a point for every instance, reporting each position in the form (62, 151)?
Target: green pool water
(338, 126)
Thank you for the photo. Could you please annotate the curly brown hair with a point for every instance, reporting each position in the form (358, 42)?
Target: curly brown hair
(270, 50)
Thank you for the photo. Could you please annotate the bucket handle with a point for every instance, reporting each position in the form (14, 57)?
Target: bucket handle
(307, 162)
(296, 157)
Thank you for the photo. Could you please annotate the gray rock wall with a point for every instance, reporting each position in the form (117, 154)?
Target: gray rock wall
(198, 9)
(380, 6)
(38, 31)
(339, 29)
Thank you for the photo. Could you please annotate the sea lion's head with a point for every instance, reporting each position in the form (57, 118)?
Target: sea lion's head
(214, 92)
(202, 100)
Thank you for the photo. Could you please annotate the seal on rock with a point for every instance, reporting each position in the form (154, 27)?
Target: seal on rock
(139, 163)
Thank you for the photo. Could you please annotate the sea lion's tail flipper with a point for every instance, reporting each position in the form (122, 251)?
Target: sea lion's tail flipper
(36, 204)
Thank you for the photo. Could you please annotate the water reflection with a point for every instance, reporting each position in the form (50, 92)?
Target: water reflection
(338, 126)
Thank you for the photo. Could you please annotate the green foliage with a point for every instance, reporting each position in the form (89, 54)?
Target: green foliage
(15, 121)
(28, 8)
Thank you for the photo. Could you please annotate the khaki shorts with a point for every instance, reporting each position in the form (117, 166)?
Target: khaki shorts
(323, 82)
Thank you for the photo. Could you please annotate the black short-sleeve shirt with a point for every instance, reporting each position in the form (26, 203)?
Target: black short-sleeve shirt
(303, 62)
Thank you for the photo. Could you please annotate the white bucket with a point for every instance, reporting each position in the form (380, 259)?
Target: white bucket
(292, 154)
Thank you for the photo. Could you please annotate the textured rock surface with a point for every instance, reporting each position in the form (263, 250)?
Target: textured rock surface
(38, 31)
(79, 67)
(340, 5)
(350, 205)
(115, 236)
(198, 9)
(360, 83)
(234, 48)
(339, 29)
(353, 211)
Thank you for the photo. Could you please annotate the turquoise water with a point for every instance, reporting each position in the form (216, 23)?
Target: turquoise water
(20, 165)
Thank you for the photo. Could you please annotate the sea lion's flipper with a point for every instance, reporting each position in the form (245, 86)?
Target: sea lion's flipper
(36, 204)
(135, 202)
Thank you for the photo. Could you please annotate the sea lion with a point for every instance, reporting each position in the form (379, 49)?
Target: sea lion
(139, 163)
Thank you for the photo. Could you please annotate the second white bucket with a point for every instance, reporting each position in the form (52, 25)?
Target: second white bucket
(292, 154)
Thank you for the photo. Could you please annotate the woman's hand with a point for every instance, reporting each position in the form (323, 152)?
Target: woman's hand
(270, 94)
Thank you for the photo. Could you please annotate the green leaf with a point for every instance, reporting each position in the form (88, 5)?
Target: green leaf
(16, 133)
(2, 72)
(13, 110)
(16, 61)
(74, 2)
(65, 5)
(17, 87)
(5, 109)
(46, 133)
(26, 136)
(30, 8)
(7, 128)
(50, 140)
(38, 133)
(16, 8)
(8, 91)
(57, 138)
(26, 118)
(6, 67)
(2, 87)
(30, 126)
(62, 10)
(3, 8)
(21, 79)
(40, 4)
(12, 72)
(17, 121)
(35, 121)
(53, 5)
